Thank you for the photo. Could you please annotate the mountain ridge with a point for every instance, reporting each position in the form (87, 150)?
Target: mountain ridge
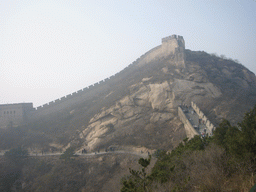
(138, 105)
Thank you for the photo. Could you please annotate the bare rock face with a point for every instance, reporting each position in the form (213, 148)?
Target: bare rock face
(146, 105)
(158, 96)
(191, 90)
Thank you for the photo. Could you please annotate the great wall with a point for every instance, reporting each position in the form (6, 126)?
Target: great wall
(20, 113)
(194, 120)
(173, 45)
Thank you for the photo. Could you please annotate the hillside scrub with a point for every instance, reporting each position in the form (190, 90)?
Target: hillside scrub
(138, 180)
(11, 169)
(224, 162)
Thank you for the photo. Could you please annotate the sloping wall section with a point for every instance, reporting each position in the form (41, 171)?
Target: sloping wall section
(170, 45)
(173, 45)
(190, 131)
(201, 115)
(80, 96)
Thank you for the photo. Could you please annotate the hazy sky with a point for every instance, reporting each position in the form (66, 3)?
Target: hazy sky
(49, 49)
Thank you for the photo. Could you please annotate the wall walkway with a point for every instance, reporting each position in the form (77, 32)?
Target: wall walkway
(194, 120)
(190, 131)
(209, 126)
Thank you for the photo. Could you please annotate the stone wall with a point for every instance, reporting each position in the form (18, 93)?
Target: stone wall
(172, 45)
(169, 45)
(69, 100)
(180, 57)
(25, 112)
(201, 115)
(190, 131)
(80, 96)
(12, 115)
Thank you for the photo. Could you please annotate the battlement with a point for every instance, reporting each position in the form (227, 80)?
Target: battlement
(201, 115)
(171, 45)
(172, 37)
(175, 41)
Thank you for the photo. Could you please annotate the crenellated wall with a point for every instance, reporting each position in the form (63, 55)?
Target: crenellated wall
(172, 45)
(178, 37)
(190, 131)
(29, 114)
(86, 93)
(201, 115)
(75, 98)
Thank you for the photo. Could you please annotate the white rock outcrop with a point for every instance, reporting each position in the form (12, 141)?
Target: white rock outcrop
(158, 100)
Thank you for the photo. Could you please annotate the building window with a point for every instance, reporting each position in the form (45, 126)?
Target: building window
(13, 112)
(7, 112)
(10, 112)
(4, 112)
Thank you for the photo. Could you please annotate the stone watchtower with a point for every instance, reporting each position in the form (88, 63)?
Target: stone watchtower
(172, 47)
(171, 43)
(12, 115)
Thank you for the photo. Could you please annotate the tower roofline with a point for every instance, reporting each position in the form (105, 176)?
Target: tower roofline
(171, 37)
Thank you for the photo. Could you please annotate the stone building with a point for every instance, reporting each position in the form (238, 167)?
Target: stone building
(172, 47)
(12, 115)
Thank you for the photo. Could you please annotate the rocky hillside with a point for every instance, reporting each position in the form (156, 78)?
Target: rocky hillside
(147, 114)
(138, 111)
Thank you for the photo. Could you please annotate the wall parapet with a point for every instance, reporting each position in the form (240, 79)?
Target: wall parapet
(178, 37)
(78, 96)
(201, 115)
(190, 131)
(81, 91)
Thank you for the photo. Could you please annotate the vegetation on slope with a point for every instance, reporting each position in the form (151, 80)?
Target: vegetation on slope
(11, 169)
(63, 173)
(224, 162)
